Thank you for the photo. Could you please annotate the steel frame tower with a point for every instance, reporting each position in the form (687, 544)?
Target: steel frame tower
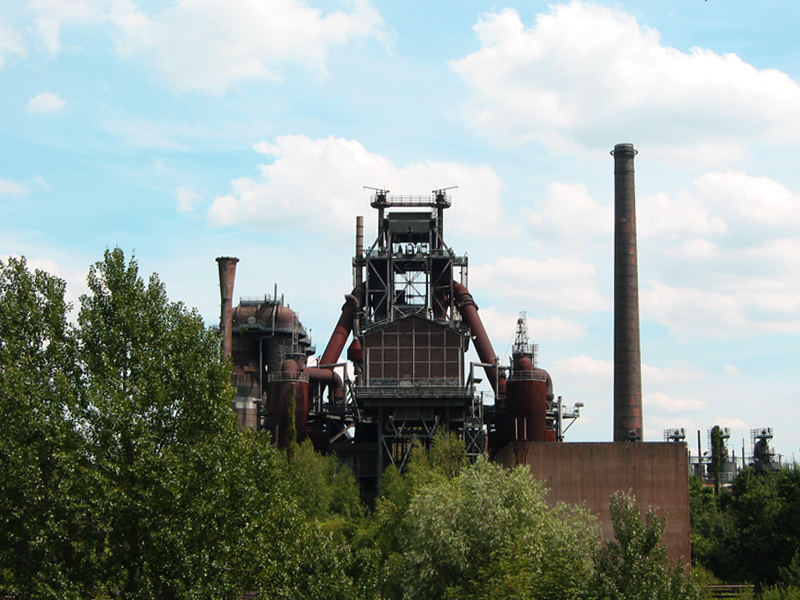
(412, 380)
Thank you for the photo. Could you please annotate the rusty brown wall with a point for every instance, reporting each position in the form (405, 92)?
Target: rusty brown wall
(590, 472)
(416, 350)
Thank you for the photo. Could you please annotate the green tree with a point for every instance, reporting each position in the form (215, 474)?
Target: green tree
(160, 435)
(41, 530)
(634, 566)
(488, 533)
(713, 530)
(719, 454)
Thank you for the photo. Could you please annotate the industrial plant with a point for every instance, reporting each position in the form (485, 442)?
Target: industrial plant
(410, 318)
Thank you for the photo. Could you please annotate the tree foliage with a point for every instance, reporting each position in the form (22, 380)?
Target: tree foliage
(125, 476)
(751, 531)
(40, 528)
(634, 566)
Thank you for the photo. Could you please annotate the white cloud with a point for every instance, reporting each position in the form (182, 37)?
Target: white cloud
(12, 188)
(584, 74)
(732, 370)
(662, 402)
(187, 199)
(551, 283)
(317, 185)
(46, 103)
(696, 249)
(652, 375)
(726, 254)
(586, 367)
(206, 45)
(753, 200)
(501, 327)
(52, 16)
(664, 215)
(11, 43)
(49, 32)
(746, 305)
(571, 211)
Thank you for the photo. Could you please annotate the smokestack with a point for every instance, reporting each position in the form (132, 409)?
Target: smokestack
(359, 251)
(627, 354)
(227, 273)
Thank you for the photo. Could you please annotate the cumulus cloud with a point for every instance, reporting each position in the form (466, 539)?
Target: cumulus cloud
(731, 261)
(501, 326)
(551, 283)
(652, 375)
(316, 184)
(586, 366)
(46, 103)
(663, 402)
(187, 199)
(11, 43)
(583, 74)
(206, 45)
(12, 188)
(571, 211)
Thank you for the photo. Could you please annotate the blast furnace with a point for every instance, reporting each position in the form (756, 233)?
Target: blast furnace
(411, 319)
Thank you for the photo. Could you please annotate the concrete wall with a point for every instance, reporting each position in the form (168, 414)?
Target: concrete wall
(589, 473)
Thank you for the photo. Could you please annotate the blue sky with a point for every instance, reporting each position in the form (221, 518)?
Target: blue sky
(182, 131)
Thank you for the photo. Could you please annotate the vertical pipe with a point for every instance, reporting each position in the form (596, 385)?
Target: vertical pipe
(357, 275)
(227, 273)
(627, 354)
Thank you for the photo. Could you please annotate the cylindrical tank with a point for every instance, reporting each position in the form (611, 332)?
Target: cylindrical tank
(279, 387)
(526, 400)
(627, 356)
(550, 434)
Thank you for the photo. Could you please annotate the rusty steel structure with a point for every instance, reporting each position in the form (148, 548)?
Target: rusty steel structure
(627, 353)
(410, 319)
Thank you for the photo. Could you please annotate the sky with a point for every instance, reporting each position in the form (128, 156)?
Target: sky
(183, 131)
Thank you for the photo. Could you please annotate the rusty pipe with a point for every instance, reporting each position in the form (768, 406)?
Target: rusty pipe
(227, 274)
(341, 332)
(330, 378)
(627, 352)
(469, 313)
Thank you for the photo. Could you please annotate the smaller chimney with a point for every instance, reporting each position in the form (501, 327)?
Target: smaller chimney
(357, 276)
(227, 274)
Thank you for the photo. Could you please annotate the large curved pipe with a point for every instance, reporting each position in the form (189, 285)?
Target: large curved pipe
(330, 378)
(469, 313)
(341, 332)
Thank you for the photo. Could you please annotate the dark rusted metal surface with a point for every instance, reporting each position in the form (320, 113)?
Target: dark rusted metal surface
(469, 314)
(328, 377)
(526, 403)
(341, 332)
(414, 351)
(227, 274)
(627, 354)
(280, 386)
